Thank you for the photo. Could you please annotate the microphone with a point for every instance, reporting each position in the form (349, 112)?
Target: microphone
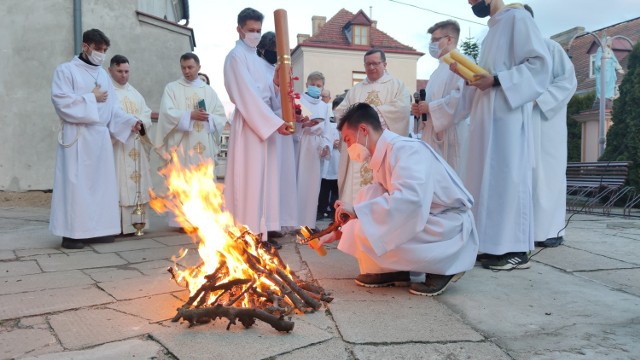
(416, 97)
(423, 97)
(416, 126)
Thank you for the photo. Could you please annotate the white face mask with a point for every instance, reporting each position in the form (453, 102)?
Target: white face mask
(96, 57)
(251, 39)
(434, 50)
(358, 152)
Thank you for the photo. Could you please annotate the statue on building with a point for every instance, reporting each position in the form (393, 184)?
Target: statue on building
(611, 66)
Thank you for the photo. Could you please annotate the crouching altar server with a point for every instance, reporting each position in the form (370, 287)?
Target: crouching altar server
(84, 205)
(415, 216)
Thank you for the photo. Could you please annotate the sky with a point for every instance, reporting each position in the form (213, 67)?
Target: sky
(214, 23)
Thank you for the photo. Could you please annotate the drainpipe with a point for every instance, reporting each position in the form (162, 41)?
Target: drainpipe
(77, 27)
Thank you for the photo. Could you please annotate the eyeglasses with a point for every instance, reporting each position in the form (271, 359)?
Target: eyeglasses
(374, 64)
(439, 38)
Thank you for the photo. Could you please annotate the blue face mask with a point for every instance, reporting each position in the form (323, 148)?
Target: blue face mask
(314, 91)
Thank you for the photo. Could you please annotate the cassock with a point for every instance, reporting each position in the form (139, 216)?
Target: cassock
(132, 157)
(312, 141)
(391, 100)
(442, 131)
(416, 216)
(550, 146)
(252, 180)
(84, 203)
(192, 141)
(500, 148)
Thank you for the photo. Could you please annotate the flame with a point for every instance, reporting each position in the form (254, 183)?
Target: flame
(197, 203)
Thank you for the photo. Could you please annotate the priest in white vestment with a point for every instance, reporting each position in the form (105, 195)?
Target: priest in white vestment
(550, 149)
(500, 151)
(442, 131)
(84, 205)
(415, 216)
(132, 157)
(314, 145)
(190, 120)
(252, 181)
(391, 99)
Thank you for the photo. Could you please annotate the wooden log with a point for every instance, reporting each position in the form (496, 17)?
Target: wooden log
(246, 316)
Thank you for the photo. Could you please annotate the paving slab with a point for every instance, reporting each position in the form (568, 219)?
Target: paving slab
(42, 281)
(153, 308)
(126, 349)
(17, 268)
(335, 265)
(624, 280)
(457, 350)
(75, 261)
(33, 237)
(127, 244)
(545, 308)
(20, 342)
(573, 259)
(140, 286)
(30, 252)
(174, 240)
(7, 255)
(112, 274)
(138, 256)
(15, 306)
(333, 349)
(90, 327)
(257, 342)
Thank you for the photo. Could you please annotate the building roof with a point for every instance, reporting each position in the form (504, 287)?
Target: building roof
(332, 36)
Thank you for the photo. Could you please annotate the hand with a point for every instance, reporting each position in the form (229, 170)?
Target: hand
(483, 81)
(101, 96)
(285, 129)
(331, 237)
(309, 123)
(414, 110)
(200, 115)
(621, 71)
(136, 127)
(276, 76)
(324, 152)
(344, 208)
(336, 144)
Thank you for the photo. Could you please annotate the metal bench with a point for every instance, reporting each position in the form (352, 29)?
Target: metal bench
(597, 185)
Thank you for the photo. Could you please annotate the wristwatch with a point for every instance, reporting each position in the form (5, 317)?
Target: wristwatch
(496, 81)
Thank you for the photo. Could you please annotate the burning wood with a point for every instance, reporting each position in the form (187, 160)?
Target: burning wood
(240, 277)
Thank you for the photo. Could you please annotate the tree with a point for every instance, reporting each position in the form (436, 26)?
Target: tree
(623, 137)
(470, 48)
(577, 104)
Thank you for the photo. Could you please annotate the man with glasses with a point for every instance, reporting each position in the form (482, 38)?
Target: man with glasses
(443, 133)
(391, 100)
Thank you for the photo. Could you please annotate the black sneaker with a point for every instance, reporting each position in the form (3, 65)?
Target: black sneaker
(508, 261)
(69, 243)
(398, 278)
(274, 234)
(480, 258)
(434, 284)
(551, 242)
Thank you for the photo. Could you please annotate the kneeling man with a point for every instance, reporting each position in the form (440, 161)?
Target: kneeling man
(415, 216)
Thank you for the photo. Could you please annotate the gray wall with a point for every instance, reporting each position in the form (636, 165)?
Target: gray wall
(35, 38)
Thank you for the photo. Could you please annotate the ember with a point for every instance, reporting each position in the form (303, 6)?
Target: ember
(240, 277)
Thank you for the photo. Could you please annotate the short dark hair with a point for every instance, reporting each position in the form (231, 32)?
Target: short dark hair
(373, 51)
(448, 25)
(95, 37)
(337, 101)
(529, 9)
(360, 113)
(206, 77)
(118, 60)
(249, 14)
(190, 56)
(267, 41)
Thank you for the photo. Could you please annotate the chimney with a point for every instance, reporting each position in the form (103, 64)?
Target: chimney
(566, 36)
(317, 22)
(374, 24)
(302, 38)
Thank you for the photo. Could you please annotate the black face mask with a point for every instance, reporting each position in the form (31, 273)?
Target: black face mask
(271, 56)
(481, 9)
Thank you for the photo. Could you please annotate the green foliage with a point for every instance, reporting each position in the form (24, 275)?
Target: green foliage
(470, 48)
(577, 104)
(623, 137)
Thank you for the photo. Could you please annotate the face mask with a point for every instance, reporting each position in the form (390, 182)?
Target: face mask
(481, 9)
(314, 91)
(434, 50)
(96, 58)
(358, 152)
(271, 56)
(251, 39)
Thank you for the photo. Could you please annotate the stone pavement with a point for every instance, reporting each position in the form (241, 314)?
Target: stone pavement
(114, 301)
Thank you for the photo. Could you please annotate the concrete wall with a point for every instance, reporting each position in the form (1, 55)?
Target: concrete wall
(35, 37)
(338, 67)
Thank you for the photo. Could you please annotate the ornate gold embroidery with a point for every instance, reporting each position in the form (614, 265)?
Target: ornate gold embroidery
(192, 101)
(199, 148)
(366, 174)
(197, 126)
(133, 154)
(129, 106)
(135, 177)
(373, 98)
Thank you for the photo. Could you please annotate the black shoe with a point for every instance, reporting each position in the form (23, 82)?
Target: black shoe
(480, 258)
(100, 239)
(398, 278)
(274, 243)
(434, 284)
(508, 261)
(69, 243)
(274, 234)
(551, 242)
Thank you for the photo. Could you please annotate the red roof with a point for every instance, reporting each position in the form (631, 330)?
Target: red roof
(332, 36)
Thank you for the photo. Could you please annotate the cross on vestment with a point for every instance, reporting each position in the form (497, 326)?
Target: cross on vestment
(135, 177)
(373, 98)
(199, 148)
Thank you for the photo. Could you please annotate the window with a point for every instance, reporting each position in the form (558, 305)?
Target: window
(592, 66)
(360, 35)
(357, 77)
